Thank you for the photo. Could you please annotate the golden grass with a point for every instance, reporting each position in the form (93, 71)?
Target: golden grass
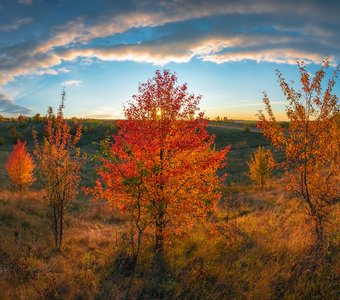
(265, 241)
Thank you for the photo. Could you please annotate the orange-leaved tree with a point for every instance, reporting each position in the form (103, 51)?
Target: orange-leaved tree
(20, 166)
(161, 168)
(261, 165)
(311, 143)
(59, 161)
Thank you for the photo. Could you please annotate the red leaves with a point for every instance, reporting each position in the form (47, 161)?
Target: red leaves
(163, 157)
(260, 125)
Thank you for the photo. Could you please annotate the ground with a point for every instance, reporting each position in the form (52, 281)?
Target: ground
(259, 250)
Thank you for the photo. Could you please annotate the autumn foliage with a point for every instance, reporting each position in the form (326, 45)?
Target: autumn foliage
(261, 165)
(161, 228)
(311, 144)
(20, 166)
(161, 167)
(59, 161)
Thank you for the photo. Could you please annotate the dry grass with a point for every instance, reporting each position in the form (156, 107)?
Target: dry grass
(265, 244)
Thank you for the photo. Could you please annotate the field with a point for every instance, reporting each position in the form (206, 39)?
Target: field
(262, 251)
(244, 138)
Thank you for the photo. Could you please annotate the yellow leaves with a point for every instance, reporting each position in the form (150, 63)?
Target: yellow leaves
(20, 166)
(260, 166)
(312, 142)
(58, 158)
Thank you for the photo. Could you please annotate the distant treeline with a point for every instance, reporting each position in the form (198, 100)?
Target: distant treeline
(93, 130)
(248, 123)
(12, 129)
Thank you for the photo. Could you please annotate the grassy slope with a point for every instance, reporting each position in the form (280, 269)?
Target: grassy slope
(255, 256)
(260, 253)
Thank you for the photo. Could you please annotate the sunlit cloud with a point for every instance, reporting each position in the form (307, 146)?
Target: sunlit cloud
(279, 56)
(72, 83)
(262, 35)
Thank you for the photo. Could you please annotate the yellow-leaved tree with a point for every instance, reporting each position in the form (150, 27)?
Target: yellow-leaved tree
(311, 144)
(261, 165)
(20, 166)
(59, 161)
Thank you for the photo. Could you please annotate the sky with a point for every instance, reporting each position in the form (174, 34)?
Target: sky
(101, 50)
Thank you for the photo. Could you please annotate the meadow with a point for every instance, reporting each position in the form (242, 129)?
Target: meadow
(243, 137)
(260, 251)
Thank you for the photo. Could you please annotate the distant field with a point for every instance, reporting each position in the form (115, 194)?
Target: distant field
(244, 138)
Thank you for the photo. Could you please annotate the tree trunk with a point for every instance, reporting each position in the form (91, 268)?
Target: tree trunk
(320, 235)
(160, 225)
(320, 239)
(159, 245)
(262, 183)
(136, 255)
(159, 259)
(55, 226)
(61, 227)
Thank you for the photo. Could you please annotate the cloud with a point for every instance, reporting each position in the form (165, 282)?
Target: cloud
(217, 31)
(16, 24)
(46, 71)
(52, 71)
(7, 106)
(72, 83)
(26, 2)
(63, 70)
(279, 56)
(217, 49)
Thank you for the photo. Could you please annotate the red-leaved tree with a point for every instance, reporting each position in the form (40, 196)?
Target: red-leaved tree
(161, 167)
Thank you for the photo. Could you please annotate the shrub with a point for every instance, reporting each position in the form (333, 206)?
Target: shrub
(261, 165)
(20, 166)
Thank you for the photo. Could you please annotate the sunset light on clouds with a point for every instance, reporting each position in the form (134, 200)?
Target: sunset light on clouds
(225, 50)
